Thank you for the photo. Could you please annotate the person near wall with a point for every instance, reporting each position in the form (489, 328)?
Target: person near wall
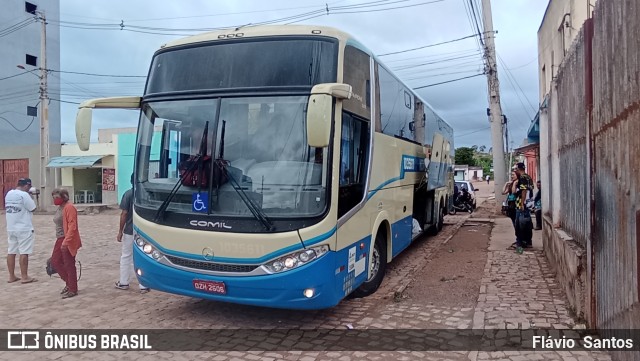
(524, 225)
(125, 236)
(68, 242)
(538, 206)
(19, 207)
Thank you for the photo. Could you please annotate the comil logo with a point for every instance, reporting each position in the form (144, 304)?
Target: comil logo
(23, 340)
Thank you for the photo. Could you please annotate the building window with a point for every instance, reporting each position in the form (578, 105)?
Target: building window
(30, 8)
(31, 60)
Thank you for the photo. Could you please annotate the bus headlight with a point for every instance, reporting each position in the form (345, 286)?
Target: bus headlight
(296, 259)
(146, 247)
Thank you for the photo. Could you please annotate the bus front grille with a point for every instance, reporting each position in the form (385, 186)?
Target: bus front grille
(210, 266)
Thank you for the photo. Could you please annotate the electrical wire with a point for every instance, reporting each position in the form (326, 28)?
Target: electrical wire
(94, 74)
(471, 23)
(16, 128)
(513, 80)
(15, 75)
(63, 101)
(475, 21)
(424, 57)
(326, 10)
(473, 132)
(412, 66)
(13, 28)
(442, 74)
(430, 45)
(448, 81)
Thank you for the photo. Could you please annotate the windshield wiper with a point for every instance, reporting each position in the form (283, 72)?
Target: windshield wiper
(195, 162)
(222, 164)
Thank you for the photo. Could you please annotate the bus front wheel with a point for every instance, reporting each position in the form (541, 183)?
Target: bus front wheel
(377, 266)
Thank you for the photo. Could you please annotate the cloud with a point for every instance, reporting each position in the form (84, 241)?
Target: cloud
(463, 103)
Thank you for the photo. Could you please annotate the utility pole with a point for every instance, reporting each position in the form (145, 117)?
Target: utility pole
(45, 187)
(495, 112)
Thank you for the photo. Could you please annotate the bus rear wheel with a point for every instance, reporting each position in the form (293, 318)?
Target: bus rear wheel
(377, 267)
(440, 223)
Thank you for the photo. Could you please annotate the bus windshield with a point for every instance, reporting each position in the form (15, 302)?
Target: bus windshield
(263, 147)
(247, 63)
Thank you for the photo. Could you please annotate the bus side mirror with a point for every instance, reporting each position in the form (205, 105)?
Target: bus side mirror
(84, 116)
(320, 111)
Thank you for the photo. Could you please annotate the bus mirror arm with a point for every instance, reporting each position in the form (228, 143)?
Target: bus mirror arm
(84, 116)
(320, 111)
(336, 90)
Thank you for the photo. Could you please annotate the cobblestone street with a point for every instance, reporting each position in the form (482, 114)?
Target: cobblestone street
(514, 292)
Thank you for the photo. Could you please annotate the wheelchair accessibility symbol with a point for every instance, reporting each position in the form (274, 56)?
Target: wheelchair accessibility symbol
(199, 202)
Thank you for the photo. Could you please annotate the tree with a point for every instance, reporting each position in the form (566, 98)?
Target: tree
(465, 155)
(482, 148)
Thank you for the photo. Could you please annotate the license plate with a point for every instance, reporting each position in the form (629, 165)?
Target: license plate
(210, 286)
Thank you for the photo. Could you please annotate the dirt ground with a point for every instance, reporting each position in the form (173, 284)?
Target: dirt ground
(452, 277)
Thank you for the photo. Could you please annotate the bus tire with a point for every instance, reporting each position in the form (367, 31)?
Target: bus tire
(379, 263)
(440, 223)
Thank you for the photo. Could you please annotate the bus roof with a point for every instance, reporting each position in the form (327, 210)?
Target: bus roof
(281, 30)
(263, 30)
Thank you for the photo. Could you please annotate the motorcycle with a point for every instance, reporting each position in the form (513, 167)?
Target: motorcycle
(462, 203)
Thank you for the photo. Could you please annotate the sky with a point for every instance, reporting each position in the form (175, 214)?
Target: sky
(92, 41)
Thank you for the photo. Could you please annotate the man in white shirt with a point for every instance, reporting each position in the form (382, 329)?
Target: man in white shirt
(19, 207)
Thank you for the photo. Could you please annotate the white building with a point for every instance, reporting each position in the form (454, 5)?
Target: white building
(20, 62)
(560, 25)
(466, 173)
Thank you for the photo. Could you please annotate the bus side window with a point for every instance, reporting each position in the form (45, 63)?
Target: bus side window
(354, 150)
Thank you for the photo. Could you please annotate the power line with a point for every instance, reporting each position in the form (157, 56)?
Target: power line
(513, 80)
(441, 74)
(471, 23)
(411, 66)
(63, 101)
(326, 10)
(424, 57)
(473, 132)
(94, 74)
(475, 20)
(448, 81)
(429, 46)
(13, 76)
(522, 66)
(15, 27)
(16, 128)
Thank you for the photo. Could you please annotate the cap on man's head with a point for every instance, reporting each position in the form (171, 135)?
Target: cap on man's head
(24, 181)
(520, 166)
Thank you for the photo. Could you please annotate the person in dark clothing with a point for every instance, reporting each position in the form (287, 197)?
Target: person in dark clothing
(125, 236)
(538, 204)
(524, 226)
(508, 190)
(456, 192)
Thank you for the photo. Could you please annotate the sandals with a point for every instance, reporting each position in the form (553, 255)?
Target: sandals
(64, 290)
(69, 295)
(513, 246)
(121, 286)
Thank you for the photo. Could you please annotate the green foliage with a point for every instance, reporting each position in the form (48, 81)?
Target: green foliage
(465, 155)
(485, 161)
(475, 156)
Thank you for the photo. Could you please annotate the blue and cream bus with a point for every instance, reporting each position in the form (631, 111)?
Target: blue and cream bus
(279, 166)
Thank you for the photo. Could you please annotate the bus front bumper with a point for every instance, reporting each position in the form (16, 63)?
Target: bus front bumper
(282, 290)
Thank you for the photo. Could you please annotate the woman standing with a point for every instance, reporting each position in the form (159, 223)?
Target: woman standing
(67, 243)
